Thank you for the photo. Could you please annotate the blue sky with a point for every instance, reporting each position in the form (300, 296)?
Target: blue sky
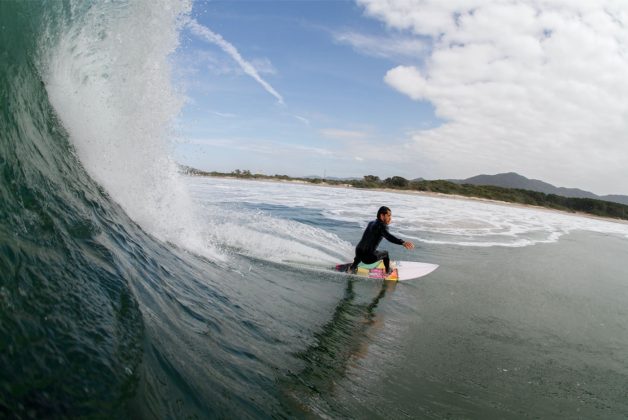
(333, 93)
(416, 89)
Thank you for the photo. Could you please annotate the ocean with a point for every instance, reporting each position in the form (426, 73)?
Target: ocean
(128, 290)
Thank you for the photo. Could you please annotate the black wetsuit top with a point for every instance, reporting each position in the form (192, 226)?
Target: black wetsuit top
(375, 231)
(366, 250)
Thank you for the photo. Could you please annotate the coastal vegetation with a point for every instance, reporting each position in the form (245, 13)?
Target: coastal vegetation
(585, 205)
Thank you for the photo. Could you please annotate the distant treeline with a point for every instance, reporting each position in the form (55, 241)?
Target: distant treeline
(511, 195)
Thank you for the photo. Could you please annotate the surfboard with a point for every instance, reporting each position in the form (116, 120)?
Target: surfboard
(402, 270)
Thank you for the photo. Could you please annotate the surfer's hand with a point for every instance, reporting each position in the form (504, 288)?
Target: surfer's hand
(408, 245)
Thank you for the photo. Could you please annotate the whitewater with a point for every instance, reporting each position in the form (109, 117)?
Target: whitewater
(128, 290)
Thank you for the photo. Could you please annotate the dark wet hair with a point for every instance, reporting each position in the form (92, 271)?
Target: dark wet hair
(382, 210)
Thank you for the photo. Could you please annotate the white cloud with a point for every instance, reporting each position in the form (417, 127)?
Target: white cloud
(534, 86)
(263, 66)
(228, 48)
(407, 80)
(302, 119)
(224, 114)
(336, 133)
(259, 146)
(395, 47)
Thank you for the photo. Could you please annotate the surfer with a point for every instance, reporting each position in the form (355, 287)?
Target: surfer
(366, 251)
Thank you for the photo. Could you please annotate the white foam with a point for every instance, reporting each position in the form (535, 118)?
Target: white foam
(108, 78)
(264, 236)
(422, 218)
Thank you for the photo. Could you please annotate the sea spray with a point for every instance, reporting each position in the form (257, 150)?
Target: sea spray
(109, 79)
(266, 234)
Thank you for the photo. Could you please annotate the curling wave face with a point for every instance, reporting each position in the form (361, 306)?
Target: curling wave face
(107, 74)
(95, 279)
(104, 311)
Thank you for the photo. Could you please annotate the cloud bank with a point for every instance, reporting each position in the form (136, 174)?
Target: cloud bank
(534, 86)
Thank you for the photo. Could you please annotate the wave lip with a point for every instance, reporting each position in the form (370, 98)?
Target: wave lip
(71, 327)
(109, 79)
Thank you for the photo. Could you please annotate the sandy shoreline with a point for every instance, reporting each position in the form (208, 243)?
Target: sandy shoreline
(431, 194)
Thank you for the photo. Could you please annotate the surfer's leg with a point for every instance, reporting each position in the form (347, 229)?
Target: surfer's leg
(360, 257)
(354, 266)
(369, 258)
(383, 255)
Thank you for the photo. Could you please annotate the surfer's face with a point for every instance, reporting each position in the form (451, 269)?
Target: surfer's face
(386, 218)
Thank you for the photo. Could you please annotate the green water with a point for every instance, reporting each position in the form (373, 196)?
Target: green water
(534, 332)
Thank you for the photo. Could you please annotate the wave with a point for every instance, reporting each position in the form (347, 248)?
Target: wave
(113, 301)
(120, 295)
(71, 328)
(108, 78)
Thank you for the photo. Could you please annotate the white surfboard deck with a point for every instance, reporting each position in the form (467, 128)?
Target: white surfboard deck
(402, 270)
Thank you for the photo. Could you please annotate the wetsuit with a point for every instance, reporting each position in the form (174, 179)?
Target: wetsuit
(366, 250)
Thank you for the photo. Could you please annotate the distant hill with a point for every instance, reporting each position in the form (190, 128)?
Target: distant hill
(621, 199)
(514, 180)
